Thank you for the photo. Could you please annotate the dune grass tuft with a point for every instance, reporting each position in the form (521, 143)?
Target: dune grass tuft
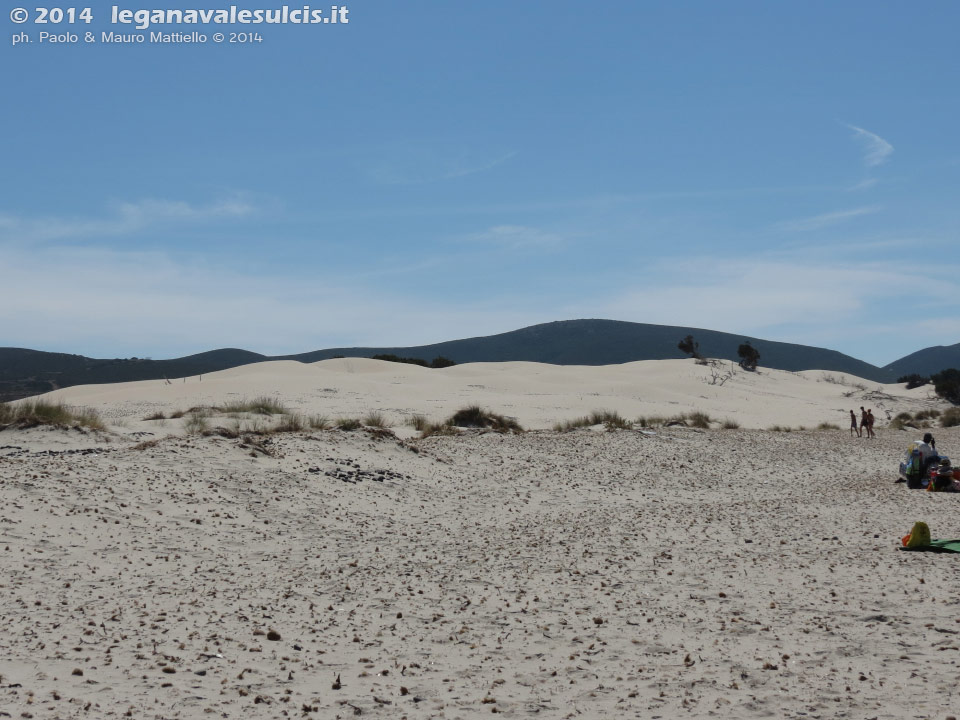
(698, 419)
(197, 421)
(291, 422)
(31, 413)
(611, 419)
(269, 418)
(443, 428)
(375, 419)
(261, 405)
(951, 418)
(695, 419)
(318, 422)
(650, 421)
(418, 422)
(476, 417)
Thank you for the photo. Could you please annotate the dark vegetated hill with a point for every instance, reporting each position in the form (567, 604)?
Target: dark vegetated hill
(30, 372)
(926, 362)
(610, 342)
(567, 342)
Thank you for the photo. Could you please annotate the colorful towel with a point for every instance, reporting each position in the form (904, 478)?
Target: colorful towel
(948, 546)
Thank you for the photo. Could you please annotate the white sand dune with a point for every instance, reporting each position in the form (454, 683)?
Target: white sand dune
(537, 395)
(674, 573)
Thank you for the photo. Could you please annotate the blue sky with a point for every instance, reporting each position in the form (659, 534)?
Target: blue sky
(436, 170)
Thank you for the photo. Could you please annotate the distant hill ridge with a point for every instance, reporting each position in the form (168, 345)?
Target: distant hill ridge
(566, 342)
(926, 362)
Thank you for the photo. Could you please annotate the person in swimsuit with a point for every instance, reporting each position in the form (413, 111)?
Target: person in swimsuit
(870, 432)
(853, 424)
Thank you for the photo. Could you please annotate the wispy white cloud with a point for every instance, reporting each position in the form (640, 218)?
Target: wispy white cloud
(876, 149)
(516, 237)
(467, 168)
(104, 302)
(864, 184)
(417, 164)
(124, 218)
(818, 222)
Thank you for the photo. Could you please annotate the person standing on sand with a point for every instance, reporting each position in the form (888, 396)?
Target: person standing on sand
(870, 432)
(853, 424)
(863, 420)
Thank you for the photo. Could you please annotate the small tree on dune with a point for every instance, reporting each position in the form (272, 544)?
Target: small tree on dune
(749, 356)
(690, 347)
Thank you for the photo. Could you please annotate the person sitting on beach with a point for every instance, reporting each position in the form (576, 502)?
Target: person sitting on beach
(942, 479)
(915, 468)
(853, 424)
(928, 452)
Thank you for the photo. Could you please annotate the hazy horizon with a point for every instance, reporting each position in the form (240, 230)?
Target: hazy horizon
(376, 346)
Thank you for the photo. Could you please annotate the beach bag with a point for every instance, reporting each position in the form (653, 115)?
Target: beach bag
(918, 537)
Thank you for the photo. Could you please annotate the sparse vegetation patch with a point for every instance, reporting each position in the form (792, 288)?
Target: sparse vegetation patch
(436, 363)
(318, 422)
(612, 420)
(196, 422)
(946, 384)
(914, 380)
(418, 422)
(375, 419)
(951, 418)
(30, 413)
(291, 422)
(698, 419)
(476, 417)
(444, 428)
(919, 420)
(262, 405)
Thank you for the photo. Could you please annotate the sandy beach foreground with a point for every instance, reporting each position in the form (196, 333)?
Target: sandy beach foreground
(668, 572)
